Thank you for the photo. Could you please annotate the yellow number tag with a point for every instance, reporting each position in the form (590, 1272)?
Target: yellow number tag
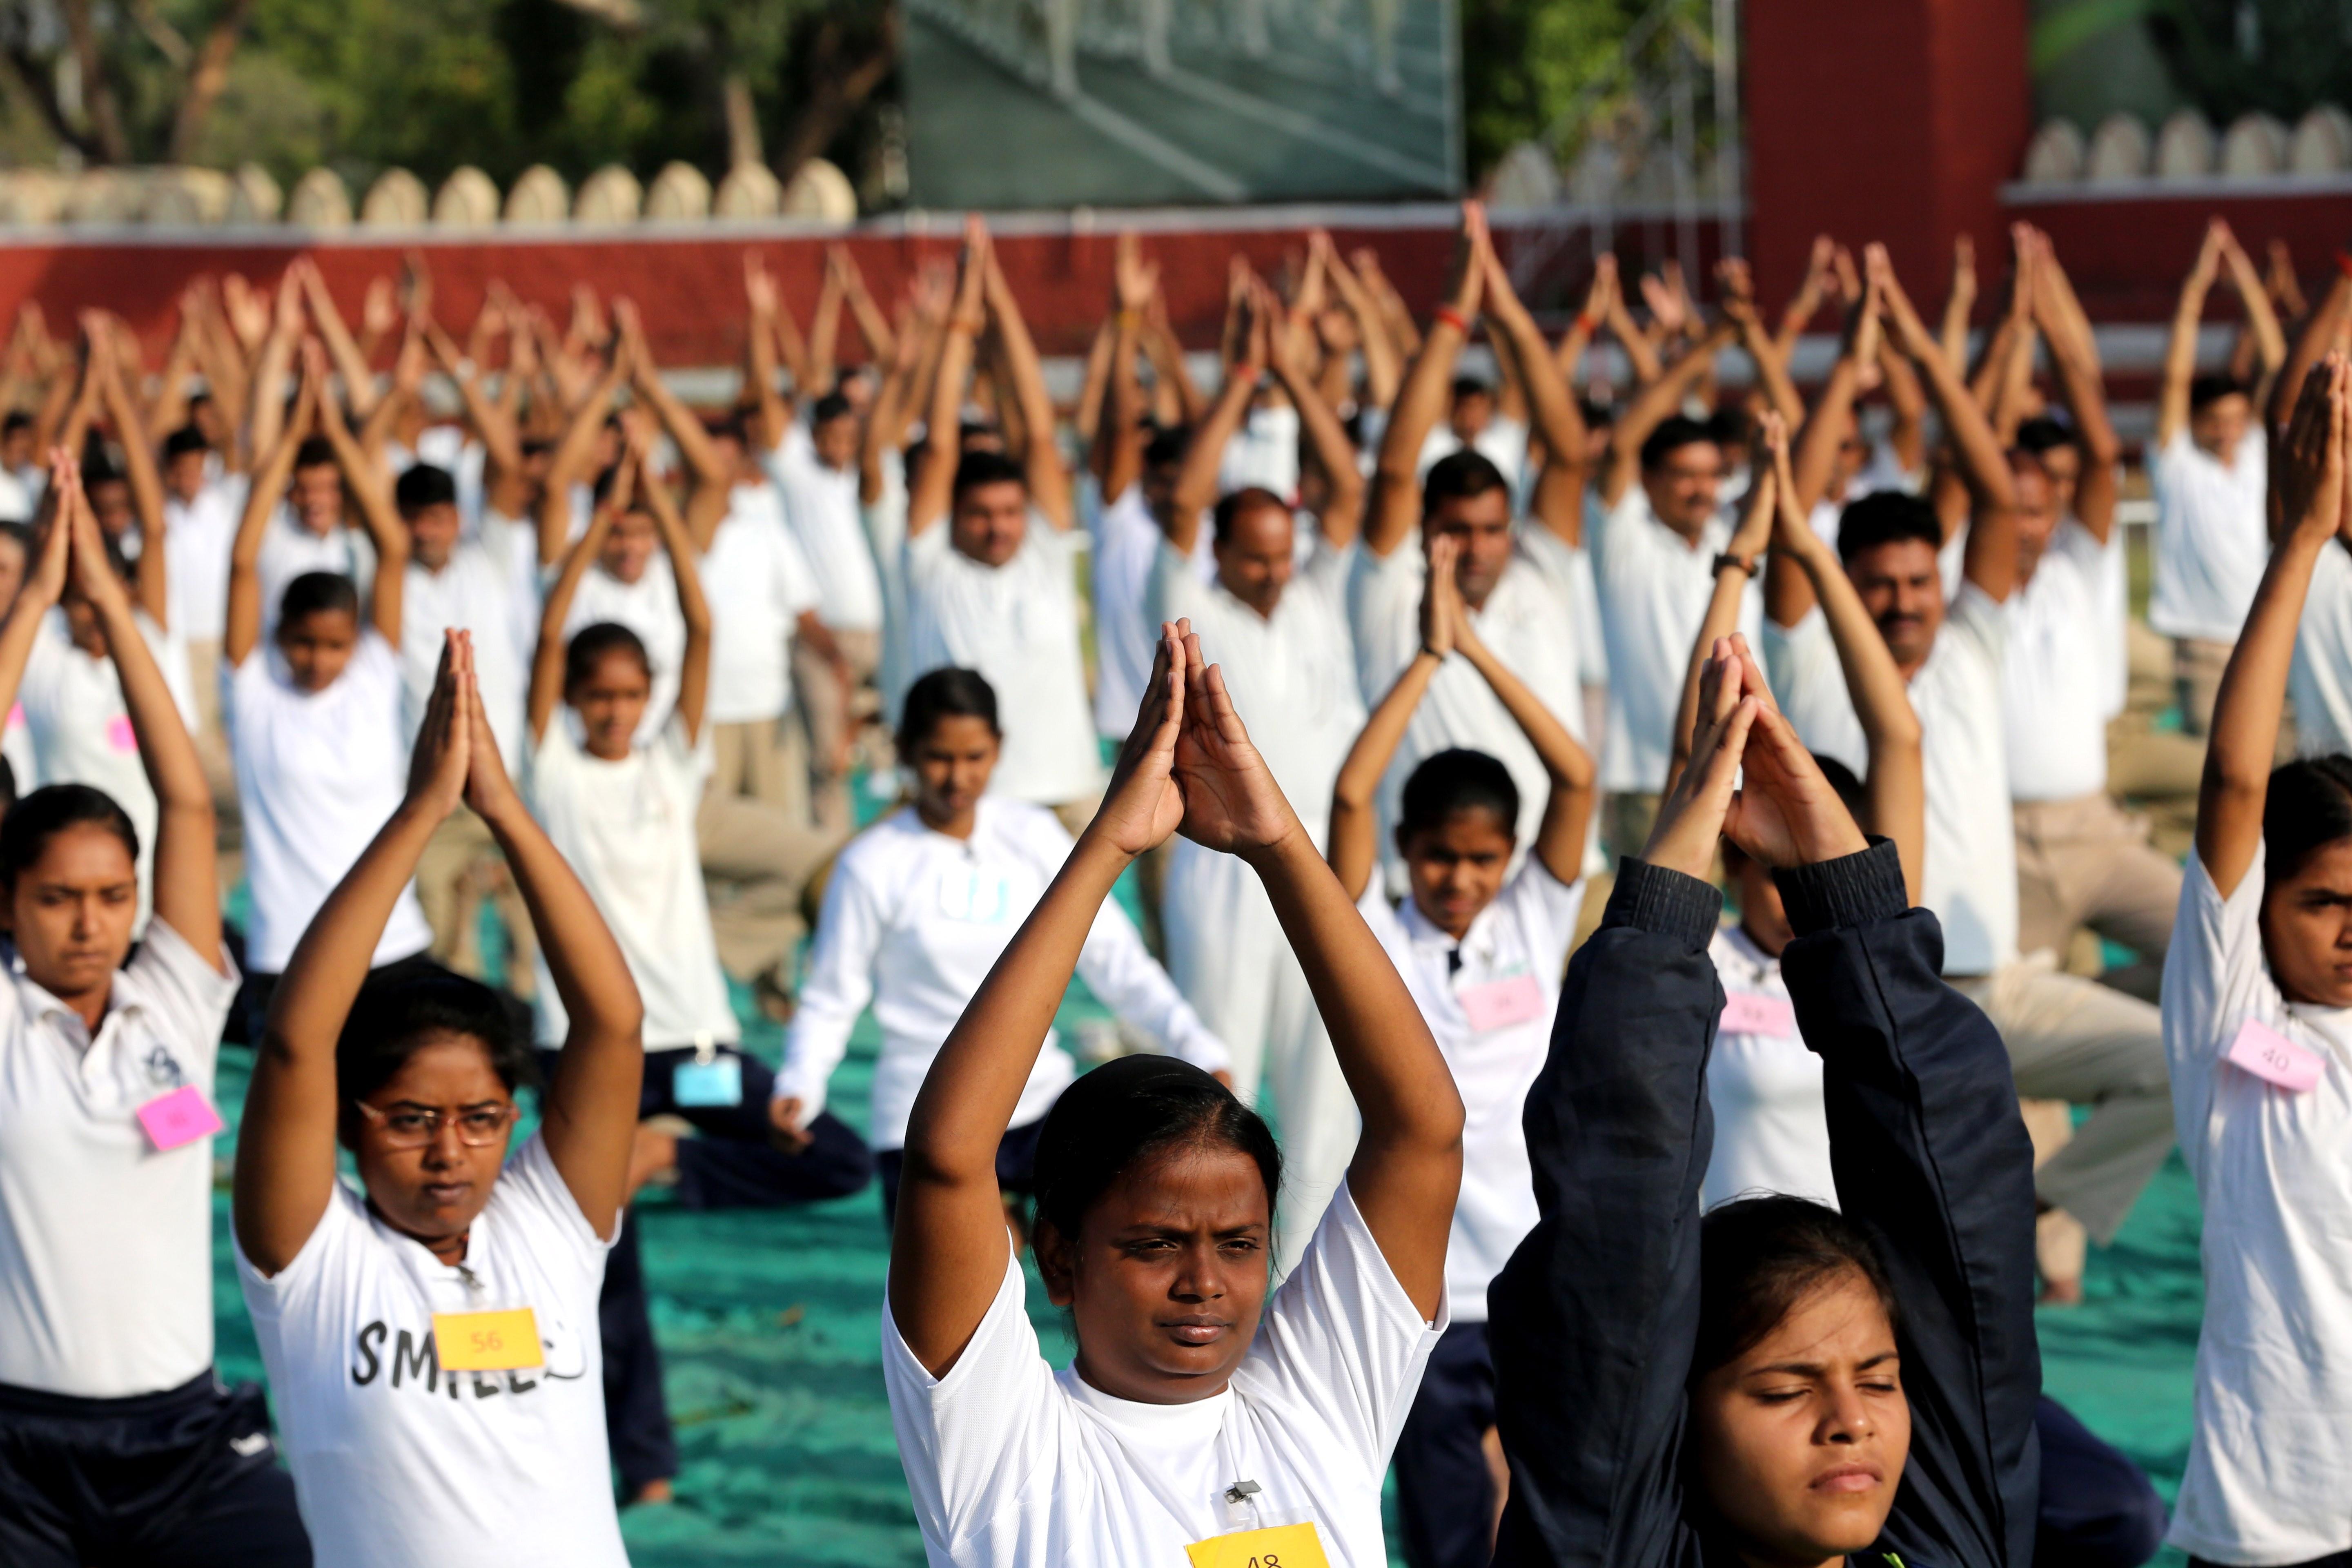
(1284, 1546)
(487, 1342)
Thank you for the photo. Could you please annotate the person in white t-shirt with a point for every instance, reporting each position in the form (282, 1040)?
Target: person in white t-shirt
(836, 659)
(1281, 625)
(431, 1337)
(1520, 609)
(314, 716)
(1205, 1414)
(2208, 465)
(918, 909)
(118, 1441)
(622, 811)
(1481, 949)
(200, 512)
(989, 588)
(2069, 1039)
(2257, 997)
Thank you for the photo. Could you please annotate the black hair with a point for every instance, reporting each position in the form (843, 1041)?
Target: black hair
(316, 591)
(1759, 1257)
(600, 490)
(32, 822)
(2044, 434)
(1132, 1110)
(727, 427)
(1673, 433)
(976, 468)
(944, 693)
(831, 407)
(1730, 425)
(315, 452)
(1462, 475)
(17, 420)
(22, 532)
(1887, 517)
(2309, 806)
(1457, 779)
(590, 644)
(1249, 498)
(188, 439)
(7, 786)
(1472, 387)
(2205, 389)
(537, 445)
(393, 1017)
(1167, 446)
(1598, 416)
(423, 485)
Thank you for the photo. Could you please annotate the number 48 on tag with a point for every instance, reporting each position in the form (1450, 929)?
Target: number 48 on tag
(1284, 1546)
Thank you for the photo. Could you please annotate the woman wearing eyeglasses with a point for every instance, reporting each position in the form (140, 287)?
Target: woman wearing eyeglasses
(432, 1345)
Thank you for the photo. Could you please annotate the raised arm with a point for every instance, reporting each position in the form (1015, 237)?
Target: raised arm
(242, 630)
(694, 666)
(267, 416)
(1738, 288)
(1567, 808)
(881, 341)
(1049, 479)
(711, 470)
(2314, 459)
(547, 659)
(932, 490)
(1811, 290)
(505, 486)
(1382, 363)
(2075, 355)
(186, 879)
(885, 431)
(359, 381)
(2262, 315)
(366, 482)
(567, 463)
(1551, 404)
(1119, 439)
(1960, 302)
(1195, 490)
(1171, 377)
(1833, 418)
(1342, 516)
(1396, 483)
(1897, 785)
(2180, 350)
(1649, 408)
(1355, 818)
(2323, 328)
(590, 1108)
(153, 587)
(1735, 570)
(46, 575)
(286, 1146)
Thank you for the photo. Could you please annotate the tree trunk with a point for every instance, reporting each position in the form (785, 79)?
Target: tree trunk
(108, 143)
(837, 89)
(742, 121)
(207, 75)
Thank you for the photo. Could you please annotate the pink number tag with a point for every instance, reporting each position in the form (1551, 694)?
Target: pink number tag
(179, 1117)
(1501, 1001)
(2273, 1057)
(1747, 1013)
(119, 735)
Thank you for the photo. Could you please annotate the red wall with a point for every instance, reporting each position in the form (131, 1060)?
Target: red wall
(1887, 120)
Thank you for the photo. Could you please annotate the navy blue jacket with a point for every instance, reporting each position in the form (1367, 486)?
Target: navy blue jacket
(1595, 1317)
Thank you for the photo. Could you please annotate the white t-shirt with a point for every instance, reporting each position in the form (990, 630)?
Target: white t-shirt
(1970, 878)
(1014, 1465)
(289, 550)
(489, 586)
(2320, 682)
(397, 1463)
(2274, 1434)
(18, 499)
(627, 829)
(1771, 1124)
(1292, 675)
(821, 504)
(648, 607)
(105, 1250)
(80, 728)
(2056, 675)
(1653, 586)
(1489, 1002)
(1569, 568)
(1126, 541)
(913, 921)
(1522, 621)
(317, 775)
(2212, 539)
(1017, 625)
(198, 536)
(885, 522)
(756, 582)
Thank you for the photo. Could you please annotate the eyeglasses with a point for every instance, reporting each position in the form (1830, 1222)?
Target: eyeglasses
(415, 1127)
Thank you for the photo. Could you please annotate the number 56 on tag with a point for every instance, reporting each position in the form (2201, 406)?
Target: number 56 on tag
(487, 1342)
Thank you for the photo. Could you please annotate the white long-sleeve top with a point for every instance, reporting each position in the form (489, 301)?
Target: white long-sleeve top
(913, 920)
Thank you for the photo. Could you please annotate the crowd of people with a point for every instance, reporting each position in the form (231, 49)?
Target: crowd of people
(537, 733)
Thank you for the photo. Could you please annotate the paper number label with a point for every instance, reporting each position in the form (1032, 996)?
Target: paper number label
(1747, 1013)
(179, 1117)
(1501, 1003)
(487, 1342)
(2273, 1057)
(1284, 1546)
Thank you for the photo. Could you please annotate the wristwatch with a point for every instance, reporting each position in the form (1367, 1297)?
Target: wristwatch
(1750, 568)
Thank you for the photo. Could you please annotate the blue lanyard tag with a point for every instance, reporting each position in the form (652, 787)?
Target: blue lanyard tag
(703, 1085)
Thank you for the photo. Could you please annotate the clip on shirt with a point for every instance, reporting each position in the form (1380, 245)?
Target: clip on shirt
(1253, 1544)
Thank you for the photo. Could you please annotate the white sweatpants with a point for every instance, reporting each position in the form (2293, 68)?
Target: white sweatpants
(1227, 954)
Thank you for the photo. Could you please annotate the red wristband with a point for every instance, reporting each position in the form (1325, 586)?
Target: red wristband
(1586, 321)
(2343, 262)
(1452, 318)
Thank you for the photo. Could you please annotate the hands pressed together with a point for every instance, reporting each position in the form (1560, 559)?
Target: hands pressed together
(1189, 766)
